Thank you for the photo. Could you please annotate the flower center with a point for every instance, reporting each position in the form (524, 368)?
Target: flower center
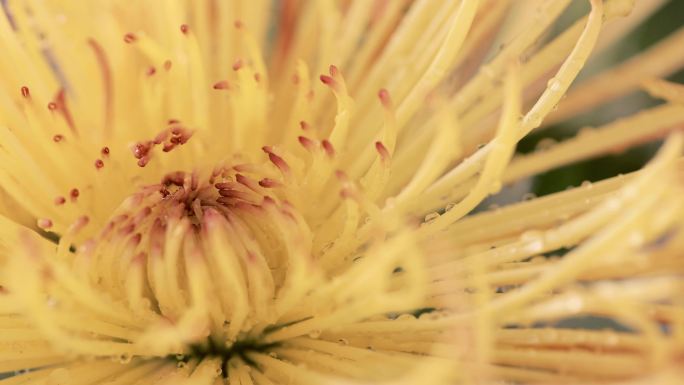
(240, 349)
(206, 260)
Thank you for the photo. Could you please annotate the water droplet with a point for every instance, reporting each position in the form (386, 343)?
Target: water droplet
(534, 241)
(545, 144)
(52, 302)
(613, 204)
(587, 184)
(553, 85)
(273, 354)
(574, 304)
(314, 334)
(125, 358)
(533, 120)
(343, 341)
(432, 315)
(493, 206)
(180, 356)
(529, 196)
(611, 339)
(181, 364)
(431, 217)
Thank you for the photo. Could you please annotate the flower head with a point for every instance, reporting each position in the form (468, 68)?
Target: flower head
(259, 192)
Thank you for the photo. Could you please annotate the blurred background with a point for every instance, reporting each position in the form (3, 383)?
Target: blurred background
(668, 16)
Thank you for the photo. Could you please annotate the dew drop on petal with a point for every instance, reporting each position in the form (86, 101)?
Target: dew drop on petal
(533, 240)
(553, 85)
(406, 317)
(314, 334)
(545, 144)
(431, 217)
(529, 196)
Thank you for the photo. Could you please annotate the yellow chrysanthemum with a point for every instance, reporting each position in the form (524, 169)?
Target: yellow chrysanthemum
(186, 200)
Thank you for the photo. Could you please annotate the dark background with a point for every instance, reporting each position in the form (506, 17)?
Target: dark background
(664, 21)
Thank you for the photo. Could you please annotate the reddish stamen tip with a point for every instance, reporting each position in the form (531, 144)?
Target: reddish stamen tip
(269, 183)
(60, 201)
(105, 151)
(382, 150)
(268, 200)
(167, 65)
(128, 229)
(185, 29)
(327, 80)
(243, 180)
(136, 238)
(385, 99)
(151, 71)
(44, 223)
(222, 85)
(173, 121)
(295, 79)
(52, 106)
(257, 77)
(237, 65)
(279, 162)
(74, 193)
(130, 38)
(306, 142)
(238, 24)
(334, 71)
(25, 92)
(99, 164)
(82, 221)
(57, 138)
(140, 150)
(328, 147)
(142, 162)
(304, 125)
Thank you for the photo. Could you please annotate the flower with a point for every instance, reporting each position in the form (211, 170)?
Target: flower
(184, 202)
